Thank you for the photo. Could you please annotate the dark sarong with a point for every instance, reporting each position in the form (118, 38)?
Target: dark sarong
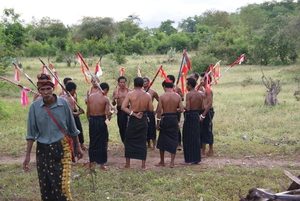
(79, 127)
(53, 166)
(151, 133)
(136, 138)
(168, 134)
(191, 137)
(179, 133)
(122, 122)
(98, 139)
(206, 134)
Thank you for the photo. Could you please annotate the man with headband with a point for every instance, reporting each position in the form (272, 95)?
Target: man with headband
(49, 121)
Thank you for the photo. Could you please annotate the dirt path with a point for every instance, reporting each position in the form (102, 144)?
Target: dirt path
(116, 160)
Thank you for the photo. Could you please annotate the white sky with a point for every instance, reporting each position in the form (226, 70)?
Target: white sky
(151, 12)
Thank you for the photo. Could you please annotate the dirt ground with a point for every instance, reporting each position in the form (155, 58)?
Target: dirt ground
(116, 160)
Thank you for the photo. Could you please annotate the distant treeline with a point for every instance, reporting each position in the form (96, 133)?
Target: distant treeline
(268, 33)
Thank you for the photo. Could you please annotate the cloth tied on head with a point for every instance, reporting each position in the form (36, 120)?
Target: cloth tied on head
(44, 80)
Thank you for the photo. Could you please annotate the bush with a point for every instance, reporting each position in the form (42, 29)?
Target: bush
(201, 62)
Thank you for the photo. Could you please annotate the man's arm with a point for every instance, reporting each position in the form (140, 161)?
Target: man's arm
(181, 108)
(150, 104)
(27, 157)
(188, 102)
(114, 98)
(158, 114)
(208, 104)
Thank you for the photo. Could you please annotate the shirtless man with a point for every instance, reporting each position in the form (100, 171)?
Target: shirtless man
(94, 88)
(71, 88)
(206, 116)
(119, 95)
(167, 122)
(191, 126)
(98, 111)
(136, 133)
(177, 90)
(151, 133)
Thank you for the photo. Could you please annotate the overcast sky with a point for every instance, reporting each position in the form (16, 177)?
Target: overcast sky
(151, 12)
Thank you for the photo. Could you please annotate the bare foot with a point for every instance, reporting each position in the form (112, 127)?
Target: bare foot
(125, 167)
(104, 168)
(159, 164)
(184, 163)
(108, 149)
(195, 163)
(210, 153)
(172, 166)
(83, 147)
(203, 155)
(144, 168)
(179, 148)
(149, 146)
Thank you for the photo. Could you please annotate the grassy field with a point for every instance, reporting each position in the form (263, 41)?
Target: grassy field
(243, 127)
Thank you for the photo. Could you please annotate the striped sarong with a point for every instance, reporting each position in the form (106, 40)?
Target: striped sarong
(136, 138)
(191, 137)
(168, 134)
(98, 139)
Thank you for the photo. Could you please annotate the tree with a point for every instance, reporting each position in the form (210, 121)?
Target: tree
(97, 28)
(167, 28)
(130, 26)
(190, 24)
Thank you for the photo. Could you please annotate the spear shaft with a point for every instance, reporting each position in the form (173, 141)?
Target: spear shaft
(22, 87)
(159, 69)
(60, 84)
(22, 71)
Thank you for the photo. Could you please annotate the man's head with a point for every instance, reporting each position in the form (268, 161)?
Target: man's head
(171, 77)
(122, 81)
(94, 81)
(167, 84)
(45, 87)
(190, 83)
(195, 76)
(138, 82)
(71, 87)
(146, 82)
(66, 80)
(105, 87)
(204, 77)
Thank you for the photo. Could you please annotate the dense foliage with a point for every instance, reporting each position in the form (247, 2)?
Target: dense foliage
(267, 33)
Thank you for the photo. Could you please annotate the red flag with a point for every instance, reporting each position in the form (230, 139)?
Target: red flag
(207, 85)
(162, 73)
(56, 74)
(44, 70)
(82, 69)
(17, 75)
(98, 70)
(184, 71)
(239, 60)
(122, 69)
(24, 97)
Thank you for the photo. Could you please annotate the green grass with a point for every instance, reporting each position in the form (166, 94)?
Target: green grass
(243, 126)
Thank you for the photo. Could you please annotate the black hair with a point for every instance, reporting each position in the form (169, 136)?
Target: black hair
(66, 79)
(203, 75)
(104, 85)
(70, 86)
(167, 84)
(122, 77)
(196, 75)
(171, 77)
(146, 78)
(138, 82)
(191, 81)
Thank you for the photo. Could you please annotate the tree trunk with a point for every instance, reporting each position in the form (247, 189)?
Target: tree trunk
(271, 98)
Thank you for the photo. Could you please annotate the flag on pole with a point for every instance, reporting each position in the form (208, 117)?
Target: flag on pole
(53, 79)
(83, 69)
(17, 75)
(186, 67)
(24, 97)
(98, 70)
(122, 70)
(239, 60)
(162, 73)
(139, 72)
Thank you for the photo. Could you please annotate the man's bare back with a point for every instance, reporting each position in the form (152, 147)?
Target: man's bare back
(169, 102)
(97, 105)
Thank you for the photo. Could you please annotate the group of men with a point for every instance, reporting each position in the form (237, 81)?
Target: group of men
(54, 120)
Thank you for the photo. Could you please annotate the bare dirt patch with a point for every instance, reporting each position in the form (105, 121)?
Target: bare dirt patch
(116, 160)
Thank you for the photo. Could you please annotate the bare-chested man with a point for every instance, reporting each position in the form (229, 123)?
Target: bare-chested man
(71, 88)
(206, 116)
(191, 126)
(136, 134)
(98, 111)
(177, 90)
(151, 134)
(119, 95)
(167, 122)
